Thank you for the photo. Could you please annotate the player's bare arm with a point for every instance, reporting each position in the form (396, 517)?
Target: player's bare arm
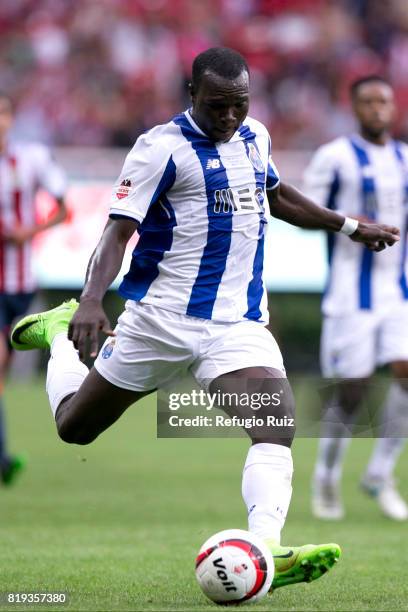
(103, 267)
(288, 204)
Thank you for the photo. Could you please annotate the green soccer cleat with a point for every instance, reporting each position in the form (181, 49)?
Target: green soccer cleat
(295, 564)
(12, 469)
(37, 331)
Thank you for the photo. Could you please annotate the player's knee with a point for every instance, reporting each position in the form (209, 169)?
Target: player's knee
(73, 435)
(276, 424)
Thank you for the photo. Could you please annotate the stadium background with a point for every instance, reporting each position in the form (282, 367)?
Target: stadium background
(88, 76)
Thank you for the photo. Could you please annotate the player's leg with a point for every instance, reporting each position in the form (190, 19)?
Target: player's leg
(150, 348)
(348, 356)
(378, 480)
(83, 403)
(5, 458)
(267, 475)
(11, 306)
(81, 416)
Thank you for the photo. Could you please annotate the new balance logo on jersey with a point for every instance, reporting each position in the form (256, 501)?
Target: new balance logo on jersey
(212, 164)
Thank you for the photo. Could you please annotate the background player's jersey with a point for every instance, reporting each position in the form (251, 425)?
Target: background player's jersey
(24, 168)
(358, 178)
(203, 220)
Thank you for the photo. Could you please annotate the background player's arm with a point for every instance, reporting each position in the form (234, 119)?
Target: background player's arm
(288, 204)
(20, 233)
(103, 267)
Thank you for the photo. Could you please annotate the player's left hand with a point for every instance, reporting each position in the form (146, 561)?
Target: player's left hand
(376, 237)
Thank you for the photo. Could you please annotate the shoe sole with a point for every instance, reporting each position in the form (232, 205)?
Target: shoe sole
(309, 566)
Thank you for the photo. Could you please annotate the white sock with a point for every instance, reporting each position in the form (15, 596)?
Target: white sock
(336, 435)
(65, 372)
(267, 488)
(394, 425)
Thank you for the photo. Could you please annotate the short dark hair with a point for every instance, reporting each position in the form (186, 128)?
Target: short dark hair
(222, 61)
(371, 78)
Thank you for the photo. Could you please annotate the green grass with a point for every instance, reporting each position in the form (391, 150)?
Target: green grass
(117, 524)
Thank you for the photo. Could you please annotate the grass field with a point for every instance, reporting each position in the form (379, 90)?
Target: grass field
(117, 524)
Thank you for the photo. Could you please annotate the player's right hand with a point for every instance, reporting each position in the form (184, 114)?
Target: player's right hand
(85, 325)
(376, 237)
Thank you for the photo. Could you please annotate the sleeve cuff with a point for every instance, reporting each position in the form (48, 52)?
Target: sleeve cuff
(273, 186)
(117, 212)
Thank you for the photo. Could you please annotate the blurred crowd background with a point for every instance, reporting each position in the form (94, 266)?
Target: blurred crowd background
(99, 72)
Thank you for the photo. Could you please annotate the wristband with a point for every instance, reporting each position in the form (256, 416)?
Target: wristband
(349, 226)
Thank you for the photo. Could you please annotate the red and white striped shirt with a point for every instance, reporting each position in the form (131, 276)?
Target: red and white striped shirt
(24, 168)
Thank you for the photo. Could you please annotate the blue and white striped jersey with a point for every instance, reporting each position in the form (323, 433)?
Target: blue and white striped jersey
(358, 178)
(203, 219)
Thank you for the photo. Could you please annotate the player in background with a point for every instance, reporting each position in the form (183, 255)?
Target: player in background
(195, 189)
(365, 305)
(24, 168)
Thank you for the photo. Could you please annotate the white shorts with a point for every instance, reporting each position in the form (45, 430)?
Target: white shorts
(155, 347)
(353, 346)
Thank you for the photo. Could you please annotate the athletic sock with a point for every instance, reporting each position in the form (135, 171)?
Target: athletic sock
(65, 372)
(394, 425)
(335, 438)
(267, 488)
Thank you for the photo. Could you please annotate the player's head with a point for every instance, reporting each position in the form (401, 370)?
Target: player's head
(6, 113)
(220, 92)
(373, 104)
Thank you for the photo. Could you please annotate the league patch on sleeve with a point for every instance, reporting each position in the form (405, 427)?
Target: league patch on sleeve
(124, 189)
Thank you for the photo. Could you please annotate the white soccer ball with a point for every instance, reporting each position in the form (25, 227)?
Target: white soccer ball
(234, 566)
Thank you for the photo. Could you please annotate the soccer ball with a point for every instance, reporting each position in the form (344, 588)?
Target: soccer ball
(234, 566)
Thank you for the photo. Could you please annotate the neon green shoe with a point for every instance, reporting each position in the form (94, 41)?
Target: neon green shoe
(12, 469)
(38, 330)
(295, 564)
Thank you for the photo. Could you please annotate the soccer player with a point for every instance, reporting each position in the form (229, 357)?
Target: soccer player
(23, 168)
(194, 189)
(365, 304)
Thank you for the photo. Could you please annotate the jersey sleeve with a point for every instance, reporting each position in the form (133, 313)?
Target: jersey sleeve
(321, 177)
(50, 175)
(272, 174)
(148, 172)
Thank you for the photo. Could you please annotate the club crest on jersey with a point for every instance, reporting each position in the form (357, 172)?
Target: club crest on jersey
(124, 189)
(255, 158)
(108, 349)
